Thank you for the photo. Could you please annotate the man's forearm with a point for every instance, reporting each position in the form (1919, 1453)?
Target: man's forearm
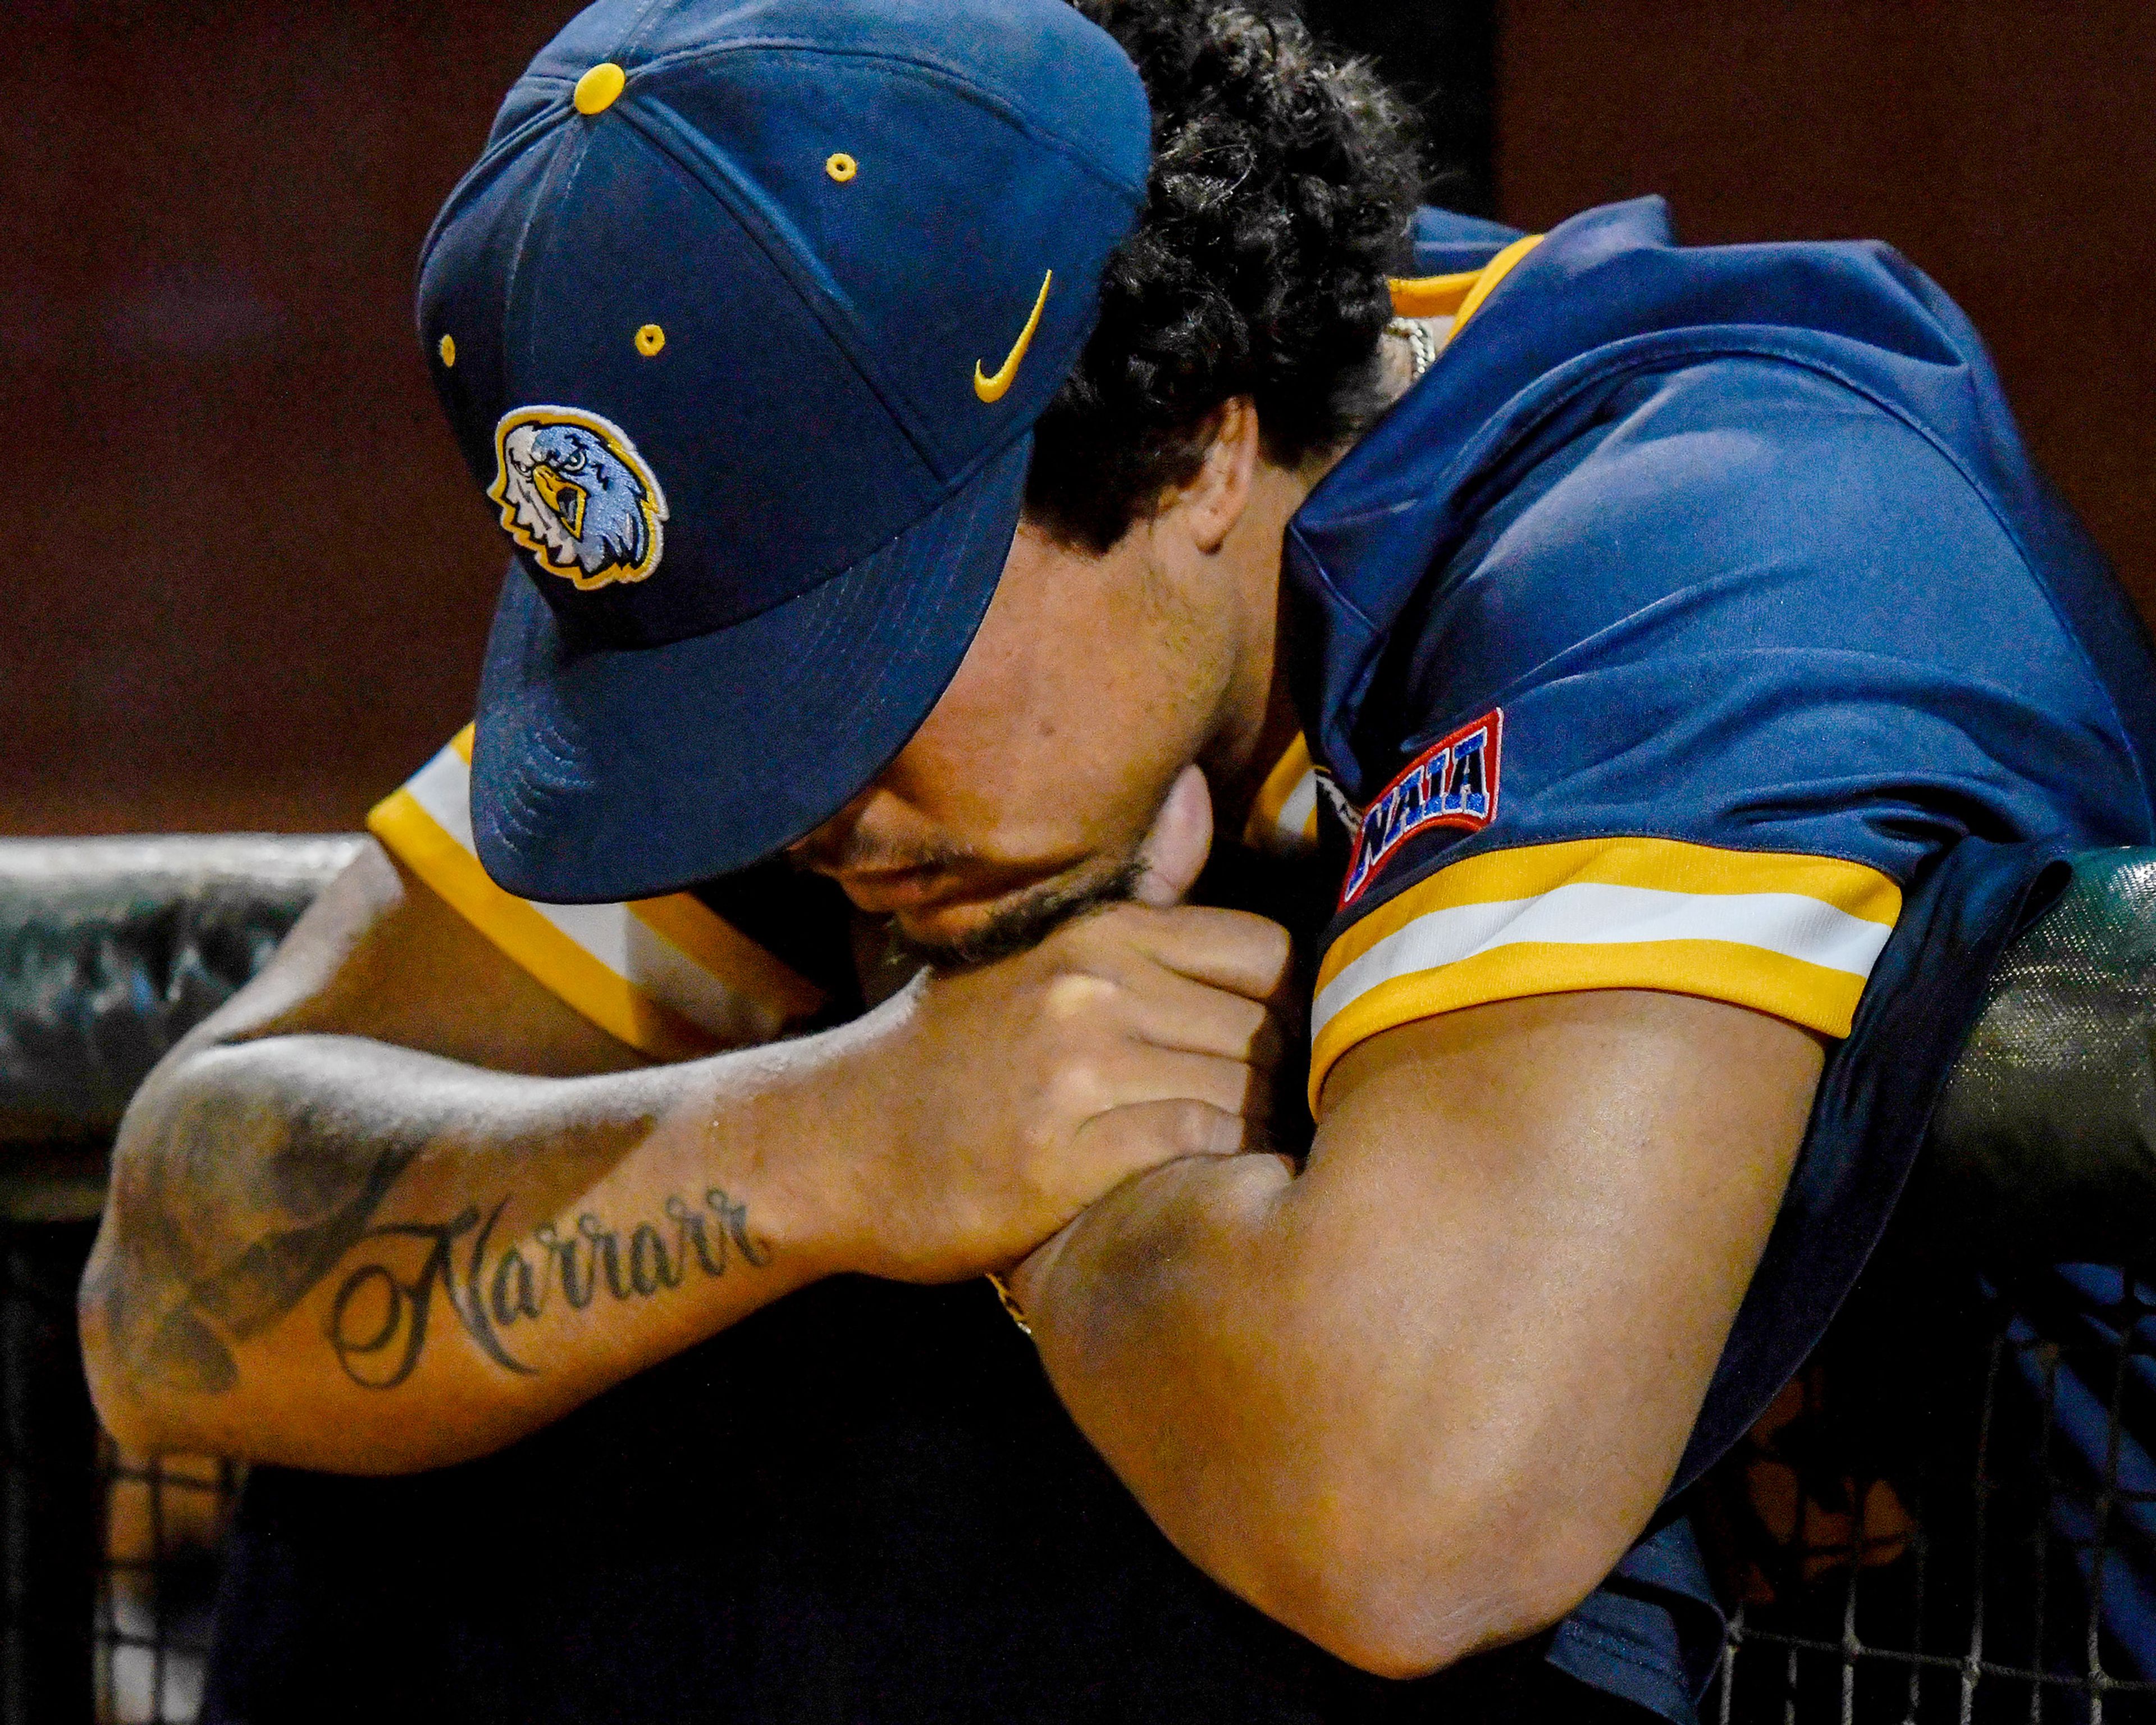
(1324, 1430)
(339, 1252)
(1419, 1398)
(1180, 1320)
(334, 1253)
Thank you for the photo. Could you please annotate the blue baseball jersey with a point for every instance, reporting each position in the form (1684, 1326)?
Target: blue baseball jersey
(1695, 622)
(1698, 623)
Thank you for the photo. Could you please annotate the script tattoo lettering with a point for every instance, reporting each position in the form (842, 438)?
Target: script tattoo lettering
(237, 1202)
(378, 1320)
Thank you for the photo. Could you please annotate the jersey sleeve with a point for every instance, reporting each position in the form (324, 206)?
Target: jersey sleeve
(1782, 933)
(1692, 714)
(667, 976)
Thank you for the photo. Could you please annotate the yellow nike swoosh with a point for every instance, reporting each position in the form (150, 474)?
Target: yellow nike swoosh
(992, 388)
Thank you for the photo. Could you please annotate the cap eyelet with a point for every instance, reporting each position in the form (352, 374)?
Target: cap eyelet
(841, 167)
(598, 88)
(650, 339)
(447, 347)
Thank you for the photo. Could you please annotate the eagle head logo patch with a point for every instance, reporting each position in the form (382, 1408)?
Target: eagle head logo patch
(575, 494)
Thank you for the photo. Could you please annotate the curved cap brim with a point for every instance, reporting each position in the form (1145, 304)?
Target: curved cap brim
(606, 773)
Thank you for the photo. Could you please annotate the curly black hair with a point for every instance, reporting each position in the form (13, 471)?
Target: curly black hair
(1284, 181)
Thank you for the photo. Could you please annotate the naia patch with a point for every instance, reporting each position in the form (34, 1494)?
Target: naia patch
(1451, 783)
(575, 494)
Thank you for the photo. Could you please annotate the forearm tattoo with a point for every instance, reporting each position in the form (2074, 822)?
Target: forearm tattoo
(378, 1322)
(181, 1284)
(251, 1203)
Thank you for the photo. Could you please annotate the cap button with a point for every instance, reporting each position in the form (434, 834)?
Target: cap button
(598, 88)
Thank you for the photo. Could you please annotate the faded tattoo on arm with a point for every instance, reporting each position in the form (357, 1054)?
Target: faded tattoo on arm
(248, 1195)
(310, 1196)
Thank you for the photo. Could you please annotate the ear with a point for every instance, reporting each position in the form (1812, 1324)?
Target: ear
(1214, 499)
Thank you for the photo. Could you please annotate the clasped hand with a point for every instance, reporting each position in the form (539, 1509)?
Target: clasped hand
(995, 1104)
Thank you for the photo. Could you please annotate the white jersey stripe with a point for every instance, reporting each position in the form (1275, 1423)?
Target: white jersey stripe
(1297, 822)
(613, 935)
(1588, 913)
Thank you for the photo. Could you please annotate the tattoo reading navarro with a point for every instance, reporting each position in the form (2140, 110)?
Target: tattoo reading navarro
(377, 1322)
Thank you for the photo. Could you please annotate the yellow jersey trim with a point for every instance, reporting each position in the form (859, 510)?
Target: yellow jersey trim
(665, 976)
(557, 962)
(1667, 864)
(1791, 935)
(1493, 273)
(1431, 295)
(1458, 296)
(723, 950)
(1285, 816)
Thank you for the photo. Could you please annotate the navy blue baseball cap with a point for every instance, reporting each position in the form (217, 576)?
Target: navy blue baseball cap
(743, 320)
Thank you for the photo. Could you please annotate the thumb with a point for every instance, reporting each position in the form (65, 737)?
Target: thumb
(1175, 849)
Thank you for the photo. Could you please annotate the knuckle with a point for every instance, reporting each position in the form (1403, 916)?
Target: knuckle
(1258, 934)
(1071, 997)
(1193, 1127)
(1239, 1088)
(1075, 1088)
(1132, 925)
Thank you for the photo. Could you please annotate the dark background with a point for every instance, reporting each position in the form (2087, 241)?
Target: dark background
(247, 579)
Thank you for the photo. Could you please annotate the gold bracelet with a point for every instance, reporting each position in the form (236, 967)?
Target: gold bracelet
(1012, 1309)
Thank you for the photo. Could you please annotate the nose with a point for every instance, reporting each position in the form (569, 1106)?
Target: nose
(835, 844)
(879, 832)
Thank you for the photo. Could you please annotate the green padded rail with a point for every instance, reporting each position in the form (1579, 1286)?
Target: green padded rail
(2043, 1147)
(111, 950)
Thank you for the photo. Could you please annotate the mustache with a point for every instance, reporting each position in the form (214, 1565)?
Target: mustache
(1020, 927)
(860, 850)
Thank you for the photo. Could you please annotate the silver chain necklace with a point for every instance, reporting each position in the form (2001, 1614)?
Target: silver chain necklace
(1421, 343)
